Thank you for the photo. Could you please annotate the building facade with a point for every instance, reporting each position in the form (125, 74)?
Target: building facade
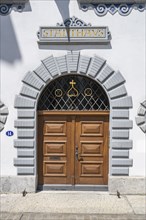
(73, 105)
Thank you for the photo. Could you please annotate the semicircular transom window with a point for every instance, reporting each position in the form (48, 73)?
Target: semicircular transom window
(73, 92)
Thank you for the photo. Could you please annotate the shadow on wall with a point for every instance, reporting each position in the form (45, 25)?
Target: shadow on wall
(27, 7)
(63, 7)
(10, 51)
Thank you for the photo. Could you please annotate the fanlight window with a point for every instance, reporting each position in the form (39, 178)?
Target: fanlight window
(73, 92)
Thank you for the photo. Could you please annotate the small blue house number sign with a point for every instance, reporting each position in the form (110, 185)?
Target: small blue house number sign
(9, 133)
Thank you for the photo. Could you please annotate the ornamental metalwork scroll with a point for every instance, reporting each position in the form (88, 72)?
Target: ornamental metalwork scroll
(73, 92)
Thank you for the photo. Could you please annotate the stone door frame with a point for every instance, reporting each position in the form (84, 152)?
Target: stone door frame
(93, 67)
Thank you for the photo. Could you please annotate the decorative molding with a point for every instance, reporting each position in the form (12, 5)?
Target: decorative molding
(3, 115)
(6, 6)
(141, 118)
(92, 67)
(13, 1)
(73, 22)
(123, 9)
(112, 1)
(73, 30)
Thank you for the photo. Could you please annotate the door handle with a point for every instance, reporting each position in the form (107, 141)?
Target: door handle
(78, 155)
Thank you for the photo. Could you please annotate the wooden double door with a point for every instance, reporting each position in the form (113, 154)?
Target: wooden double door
(73, 148)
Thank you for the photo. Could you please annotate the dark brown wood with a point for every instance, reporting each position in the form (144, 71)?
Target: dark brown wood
(74, 113)
(61, 136)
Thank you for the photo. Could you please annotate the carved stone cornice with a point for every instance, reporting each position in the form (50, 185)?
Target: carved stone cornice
(6, 6)
(102, 7)
(113, 1)
(13, 1)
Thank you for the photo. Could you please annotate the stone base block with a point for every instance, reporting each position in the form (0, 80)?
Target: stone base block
(16, 184)
(127, 185)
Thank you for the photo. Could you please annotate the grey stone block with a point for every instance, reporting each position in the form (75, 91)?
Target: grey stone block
(3, 119)
(95, 66)
(120, 153)
(114, 81)
(25, 171)
(72, 61)
(23, 133)
(121, 144)
(122, 124)
(144, 104)
(62, 64)
(51, 65)
(124, 114)
(26, 113)
(29, 92)
(143, 127)
(140, 120)
(24, 123)
(22, 102)
(24, 143)
(24, 162)
(120, 134)
(127, 185)
(3, 115)
(1, 126)
(122, 103)
(17, 184)
(141, 111)
(118, 92)
(4, 111)
(43, 73)
(83, 64)
(105, 73)
(122, 162)
(33, 80)
(120, 171)
(25, 153)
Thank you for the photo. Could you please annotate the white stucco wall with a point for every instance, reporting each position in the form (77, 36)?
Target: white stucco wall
(20, 53)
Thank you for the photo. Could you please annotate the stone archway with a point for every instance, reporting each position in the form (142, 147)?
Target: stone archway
(94, 67)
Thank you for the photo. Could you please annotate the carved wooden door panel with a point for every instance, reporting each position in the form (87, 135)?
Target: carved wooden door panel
(91, 166)
(55, 163)
(72, 149)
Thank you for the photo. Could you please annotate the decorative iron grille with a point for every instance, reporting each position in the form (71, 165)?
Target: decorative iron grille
(73, 92)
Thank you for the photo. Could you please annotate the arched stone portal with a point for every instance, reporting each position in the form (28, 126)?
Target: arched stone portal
(95, 68)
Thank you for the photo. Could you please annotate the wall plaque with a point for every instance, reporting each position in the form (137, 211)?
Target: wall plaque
(73, 30)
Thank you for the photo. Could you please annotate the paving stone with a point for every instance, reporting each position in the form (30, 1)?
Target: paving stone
(72, 205)
(50, 216)
(138, 203)
(10, 216)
